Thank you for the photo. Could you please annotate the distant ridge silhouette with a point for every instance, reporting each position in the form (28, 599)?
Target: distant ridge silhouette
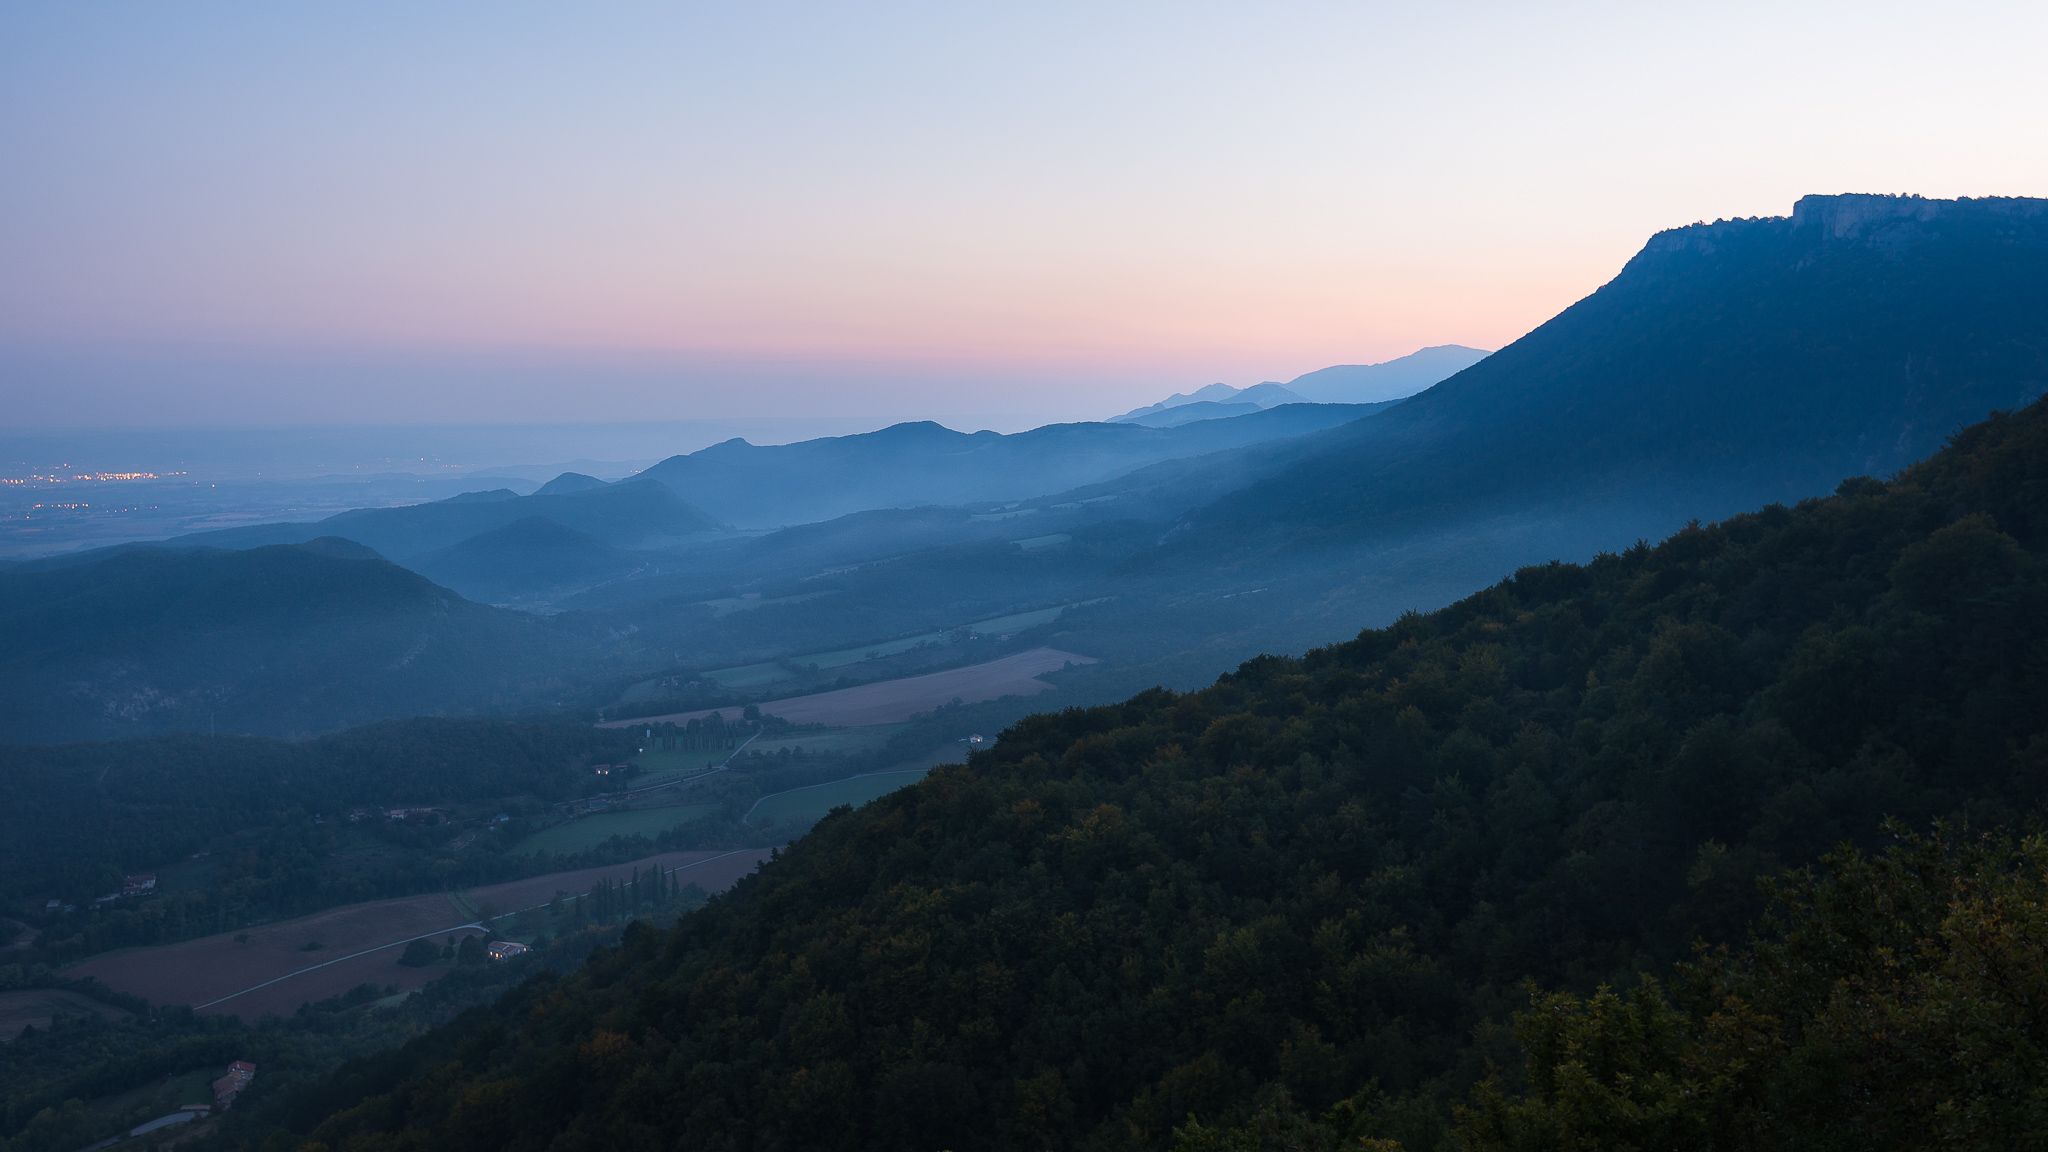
(1389, 380)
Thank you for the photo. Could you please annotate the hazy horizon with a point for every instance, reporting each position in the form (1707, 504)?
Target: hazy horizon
(248, 216)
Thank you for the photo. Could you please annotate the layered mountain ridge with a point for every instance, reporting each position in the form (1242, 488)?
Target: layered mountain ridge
(919, 463)
(1726, 366)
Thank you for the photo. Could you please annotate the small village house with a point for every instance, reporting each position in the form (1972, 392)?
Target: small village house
(225, 1089)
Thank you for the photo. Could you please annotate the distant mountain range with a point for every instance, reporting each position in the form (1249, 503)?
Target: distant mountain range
(1340, 384)
(578, 531)
(1208, 403)
(907, 465)
(1725, 366)
(1388, 380)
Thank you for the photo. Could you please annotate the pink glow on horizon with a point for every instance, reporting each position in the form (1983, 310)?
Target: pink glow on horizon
(904, 208)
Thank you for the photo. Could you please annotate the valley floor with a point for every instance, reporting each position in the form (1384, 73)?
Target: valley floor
(360, 943)
(893, 701)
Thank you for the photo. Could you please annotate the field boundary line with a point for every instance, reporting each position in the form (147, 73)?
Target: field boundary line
(829, 783)
(724, 766)
(437, 932)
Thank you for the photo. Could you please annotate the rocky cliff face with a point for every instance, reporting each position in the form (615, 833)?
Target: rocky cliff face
(1840, 217)
(1878, 218)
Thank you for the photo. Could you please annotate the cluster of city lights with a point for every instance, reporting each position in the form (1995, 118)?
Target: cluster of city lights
(29, 513)
(60, 478)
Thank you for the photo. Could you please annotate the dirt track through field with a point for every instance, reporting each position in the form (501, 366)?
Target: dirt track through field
(360, 943)
(36, 1006)
(890, 701)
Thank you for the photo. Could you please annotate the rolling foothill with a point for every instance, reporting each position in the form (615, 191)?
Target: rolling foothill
(1630, 737)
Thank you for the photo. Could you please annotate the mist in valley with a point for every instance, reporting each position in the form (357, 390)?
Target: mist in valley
(751, 579)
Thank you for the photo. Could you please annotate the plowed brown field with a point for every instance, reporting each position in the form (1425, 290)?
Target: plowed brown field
(359, 944)
(890, 701)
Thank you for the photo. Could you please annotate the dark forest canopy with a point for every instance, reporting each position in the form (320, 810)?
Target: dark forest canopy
(73, 817)
(1318, 874)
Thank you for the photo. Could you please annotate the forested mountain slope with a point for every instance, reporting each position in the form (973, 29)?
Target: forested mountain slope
(283, 639)
(75, 817)
(1316, 873)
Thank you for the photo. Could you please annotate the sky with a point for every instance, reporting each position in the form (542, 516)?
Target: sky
(303, 214)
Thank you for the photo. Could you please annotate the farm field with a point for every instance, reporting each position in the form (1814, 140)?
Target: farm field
(730, 604)
(360, 943)
(892, 701)
(587, 832)
(813, 802)
(761, 675)
(659, 767)
(863, 739)
(37, 1006)
(750, 675)
(1020, 621)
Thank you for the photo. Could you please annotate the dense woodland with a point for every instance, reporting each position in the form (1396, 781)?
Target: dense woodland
(75, 816)
(1333, 879)
(241, 829)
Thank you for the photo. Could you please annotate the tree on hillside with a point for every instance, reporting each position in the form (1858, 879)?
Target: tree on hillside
(1893, 1001)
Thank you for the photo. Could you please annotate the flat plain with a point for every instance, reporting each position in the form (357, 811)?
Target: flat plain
(893, 701)
(862, 739)
(359, 943)
(37, 1006)
(586, 832)
(813, 802)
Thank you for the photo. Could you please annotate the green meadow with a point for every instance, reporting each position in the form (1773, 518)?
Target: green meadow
(863, 739)
(761, 675)
(812, 803)
(659, 767)
(586, 832)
